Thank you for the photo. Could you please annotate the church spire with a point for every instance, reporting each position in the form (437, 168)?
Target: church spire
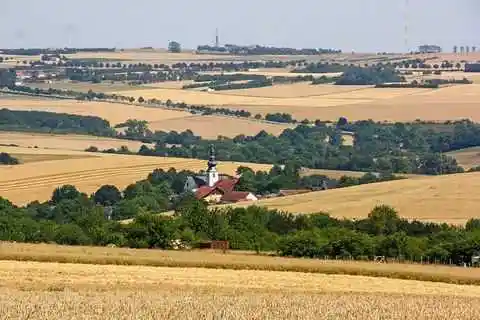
(212, 174)
(212, 163)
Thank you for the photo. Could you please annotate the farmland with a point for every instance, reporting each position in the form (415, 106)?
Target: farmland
(64, 142)
(467, 158)
(452, 199)
(36, 290)
(159, 119)
(328, 102)
(29, 182)
(113, 112)
(210, 127)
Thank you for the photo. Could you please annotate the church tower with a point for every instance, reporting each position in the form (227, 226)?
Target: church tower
(212, 174)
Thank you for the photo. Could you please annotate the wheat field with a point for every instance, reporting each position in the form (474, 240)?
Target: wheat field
(328, 102)
(451, 198)
(467, 158)
(65, 142)
(31, 290)
(210, 127)
(32, 181)
(113, 112)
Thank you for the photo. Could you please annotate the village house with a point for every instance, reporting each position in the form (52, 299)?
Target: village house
(216, 188)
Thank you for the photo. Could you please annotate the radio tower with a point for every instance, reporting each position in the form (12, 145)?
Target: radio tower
(217, 39)
(406, 27)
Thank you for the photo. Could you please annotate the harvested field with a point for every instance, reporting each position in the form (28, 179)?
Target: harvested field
(467, 158)
(328, 102)
(451, 199)
(65, 141)
(38, 290)
(28, 158)
(29, 182)
(210, 127)
(86, 86)
(113, 112)
(297, 90)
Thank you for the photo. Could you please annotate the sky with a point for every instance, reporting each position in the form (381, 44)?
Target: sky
(358, 25)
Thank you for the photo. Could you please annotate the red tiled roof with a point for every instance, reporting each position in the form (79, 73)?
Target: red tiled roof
(203, 191)
(226, 185)
(235, 196)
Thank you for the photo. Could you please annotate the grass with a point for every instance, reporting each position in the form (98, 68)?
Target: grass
(65, 141)
(451, 199)
(232, 261)
(29, 182)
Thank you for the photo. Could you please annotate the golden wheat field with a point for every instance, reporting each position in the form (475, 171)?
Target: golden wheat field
(113, 112)
(36, 181)
(65, 141)
(452, 199)
(233, 260)
(32, 290)
(210, 127)
(467, 158)
(328, 102)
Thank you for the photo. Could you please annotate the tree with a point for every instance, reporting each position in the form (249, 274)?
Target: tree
(342, 121)
(107, 195)
(384, 220)
(7, 159)
(174, 47)
(66, 192)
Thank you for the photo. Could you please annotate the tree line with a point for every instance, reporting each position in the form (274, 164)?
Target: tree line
(263, 50)
(74, 218)
(40, 121)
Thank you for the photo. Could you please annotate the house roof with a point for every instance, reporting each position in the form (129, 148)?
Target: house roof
(223, 186)
(226, 185)
(204, 191)
(235, 196)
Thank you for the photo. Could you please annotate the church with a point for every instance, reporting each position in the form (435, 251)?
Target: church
(214, 187)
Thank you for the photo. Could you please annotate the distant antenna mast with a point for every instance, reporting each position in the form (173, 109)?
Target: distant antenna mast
(217, 39)
(406, 20)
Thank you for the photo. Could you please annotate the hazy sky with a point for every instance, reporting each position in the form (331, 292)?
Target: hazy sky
(361, 25)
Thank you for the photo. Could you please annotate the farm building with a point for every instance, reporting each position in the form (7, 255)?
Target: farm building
(215, 188)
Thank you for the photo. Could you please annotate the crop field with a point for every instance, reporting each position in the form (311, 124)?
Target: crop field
(210, 127)
(113, 112)
(36, 290)
(328, 102)
(467, 158)
(65, 141)
(24, 183)
(451, 199)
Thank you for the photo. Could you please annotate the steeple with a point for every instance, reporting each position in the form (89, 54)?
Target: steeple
(212, 174)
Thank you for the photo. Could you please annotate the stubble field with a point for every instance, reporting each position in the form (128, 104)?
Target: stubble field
(65, 142)
(467, 158)
(159, 119)
(210, 127)
(451, 199)
(329, 102)
(113, 112)
(32, 290)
